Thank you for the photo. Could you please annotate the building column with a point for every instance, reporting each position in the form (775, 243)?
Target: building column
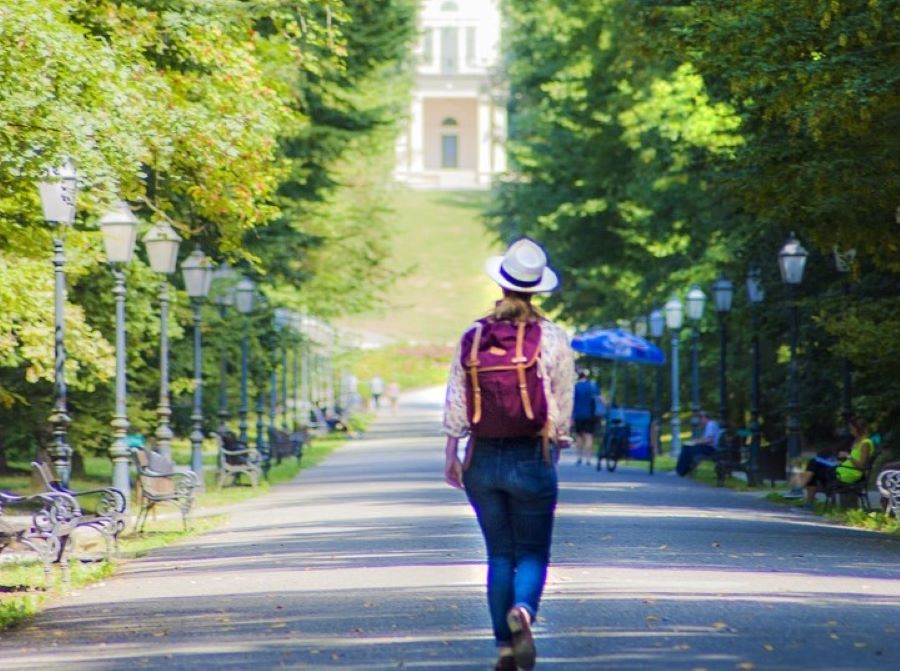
(485, 140)
(498, 137)
(417, 135)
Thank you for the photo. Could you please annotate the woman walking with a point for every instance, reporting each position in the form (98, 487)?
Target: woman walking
(510, 391)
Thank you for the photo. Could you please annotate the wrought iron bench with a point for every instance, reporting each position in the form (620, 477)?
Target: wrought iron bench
(888, 484)
(773, 461)
(281, 446)
(858, 490)
(103, 509)
(237, 459)
(157, 482)
(41, 523)
(732, 454)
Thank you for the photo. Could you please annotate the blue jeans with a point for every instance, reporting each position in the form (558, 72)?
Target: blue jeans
(513, 492)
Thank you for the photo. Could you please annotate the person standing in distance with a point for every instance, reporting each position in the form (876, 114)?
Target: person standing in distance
(510, 391)
(376, 388)
(584, 414)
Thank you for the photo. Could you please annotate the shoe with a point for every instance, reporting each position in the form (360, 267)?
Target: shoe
(506, 663)
(524, 651)
(578, 463)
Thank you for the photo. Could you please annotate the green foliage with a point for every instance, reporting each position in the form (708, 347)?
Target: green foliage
(16, 609)
(245, 125)
(654, 145)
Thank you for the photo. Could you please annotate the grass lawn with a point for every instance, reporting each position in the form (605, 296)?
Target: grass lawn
(875, 520)
(441, 245)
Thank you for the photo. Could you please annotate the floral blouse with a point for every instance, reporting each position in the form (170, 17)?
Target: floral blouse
(557, 368)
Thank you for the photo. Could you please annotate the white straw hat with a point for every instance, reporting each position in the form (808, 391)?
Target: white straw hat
(523, 268)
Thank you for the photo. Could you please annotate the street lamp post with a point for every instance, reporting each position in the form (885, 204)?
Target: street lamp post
(792, 262)
(843, 261)
(244, 296)
(723, 292)
(273, 397)
(640, 330)
(282, 322)
(657, 324)
(755, 294)
(306, 361)
(260, 419)
(675, 320)
(162, 243)
(223, 277)
(295, 324)
(58, 204)
(197, 273)
(328, 368)
(696, 300)
(119, 227)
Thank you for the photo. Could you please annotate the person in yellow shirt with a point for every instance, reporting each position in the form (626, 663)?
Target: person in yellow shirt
(849, 467)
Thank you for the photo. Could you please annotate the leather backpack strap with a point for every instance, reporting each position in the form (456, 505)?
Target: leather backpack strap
(473, 374)
(520, 362)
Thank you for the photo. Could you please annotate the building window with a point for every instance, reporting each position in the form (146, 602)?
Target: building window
(449, 121)
(470, 47)
(450, 150)
(428, 46)
(449, 50)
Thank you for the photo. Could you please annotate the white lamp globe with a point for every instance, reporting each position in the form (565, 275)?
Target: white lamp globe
(119, 227)
(162, 243)
(696, 300)
(244, 293)
(723, 293)
(792, 261)
(755, 291)
(657, 323)
(197, 272)
(58, 194)
(674, 313)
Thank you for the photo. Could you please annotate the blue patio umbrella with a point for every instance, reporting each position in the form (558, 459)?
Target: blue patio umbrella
(618, 345)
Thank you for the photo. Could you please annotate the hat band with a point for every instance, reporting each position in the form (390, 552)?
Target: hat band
(525, 284)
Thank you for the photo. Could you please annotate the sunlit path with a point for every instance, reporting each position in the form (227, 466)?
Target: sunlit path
(370, 562)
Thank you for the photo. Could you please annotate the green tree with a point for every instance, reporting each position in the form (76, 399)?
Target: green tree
(656, 144)
(237, 122)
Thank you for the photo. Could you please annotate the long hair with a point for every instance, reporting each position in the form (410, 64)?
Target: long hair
(515, 307)
(859, 425)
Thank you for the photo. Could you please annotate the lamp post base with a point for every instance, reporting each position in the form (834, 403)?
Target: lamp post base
(121, 478)
(197, 454)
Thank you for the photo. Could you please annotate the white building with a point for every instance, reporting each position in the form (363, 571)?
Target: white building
(457, 121)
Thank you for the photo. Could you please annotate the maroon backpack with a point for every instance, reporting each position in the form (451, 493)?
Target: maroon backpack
(504, 391)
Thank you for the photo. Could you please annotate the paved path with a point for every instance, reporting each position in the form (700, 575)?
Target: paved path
(369, 562)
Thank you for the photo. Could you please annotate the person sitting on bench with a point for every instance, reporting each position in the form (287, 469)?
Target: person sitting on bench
(848, 468)
(704, 446)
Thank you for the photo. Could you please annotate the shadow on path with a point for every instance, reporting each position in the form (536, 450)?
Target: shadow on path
(370, 562)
